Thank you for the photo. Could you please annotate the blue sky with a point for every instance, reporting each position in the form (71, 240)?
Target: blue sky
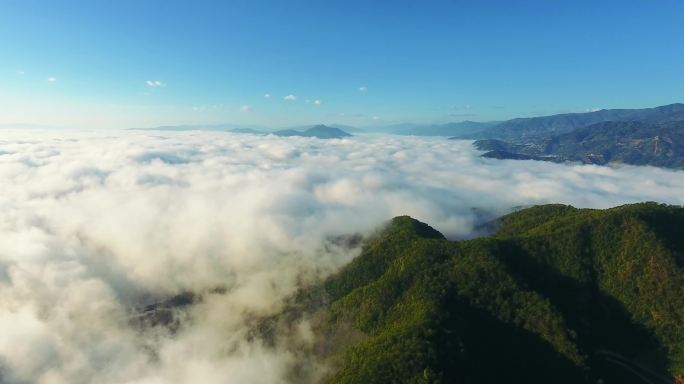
(144, 63)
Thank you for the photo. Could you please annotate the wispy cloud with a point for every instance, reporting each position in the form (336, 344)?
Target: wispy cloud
(290, 98)
(207, 108)
(363, 88)
(51, 79)
(460, 107)
(317, 102)
(21, 73)
(246, 108)
(267, 96)
(154, 83)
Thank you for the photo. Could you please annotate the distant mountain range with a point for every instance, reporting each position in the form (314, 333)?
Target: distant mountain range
(546, 126)
(448, 129)
(207, 127)
(346, 128)
(652, 136)
(633, 142)
(318, 131)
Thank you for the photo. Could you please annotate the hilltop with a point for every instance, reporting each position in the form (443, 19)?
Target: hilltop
(318, 131)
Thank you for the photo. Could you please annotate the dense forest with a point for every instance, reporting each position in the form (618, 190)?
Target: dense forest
(554, 295)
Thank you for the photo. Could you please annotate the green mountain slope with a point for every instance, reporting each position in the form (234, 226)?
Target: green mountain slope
(556, 294)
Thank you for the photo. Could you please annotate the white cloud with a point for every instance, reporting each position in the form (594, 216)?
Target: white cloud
(207, 108)
(363, 88)
(317, 102)
(154, 83)
(290, 98)
(51, 79)
(376, 118)
(267, 96)
(96, 224)
(246, 108)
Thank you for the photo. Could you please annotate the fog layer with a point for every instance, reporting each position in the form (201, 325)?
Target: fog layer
(96, 225)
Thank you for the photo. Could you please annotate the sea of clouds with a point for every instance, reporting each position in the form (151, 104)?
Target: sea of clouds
(96, 225)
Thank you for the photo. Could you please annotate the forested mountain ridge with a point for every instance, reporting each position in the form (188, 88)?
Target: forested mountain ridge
(555, 294)
(633, 142)
(522, 129)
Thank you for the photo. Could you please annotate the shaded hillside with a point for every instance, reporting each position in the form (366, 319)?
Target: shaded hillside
(522, 129)
(637, 143)
(555, 295)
